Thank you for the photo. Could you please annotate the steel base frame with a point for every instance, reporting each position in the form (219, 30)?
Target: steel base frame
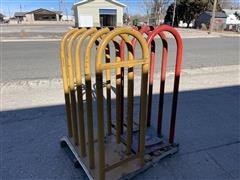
(151, 159)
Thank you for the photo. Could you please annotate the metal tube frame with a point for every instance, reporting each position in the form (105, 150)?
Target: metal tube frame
(63, 57)
(99, 73)
(71, 74)
(74, 102)
(148, 30)
(165, 28)
(90, 133)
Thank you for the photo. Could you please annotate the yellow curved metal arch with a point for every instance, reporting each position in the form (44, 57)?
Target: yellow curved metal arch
(120, 31)
(79, 90)
(75, 35)
(99, 66)
(65, 79)
(87, 65)
(87, 59)
(130, 93)
(118, 79)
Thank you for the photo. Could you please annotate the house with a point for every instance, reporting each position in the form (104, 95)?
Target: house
(232, 23)
(231, 17)
(43, 15)
(89, 13)
(20, 16)
(204, 19)
(38, 15)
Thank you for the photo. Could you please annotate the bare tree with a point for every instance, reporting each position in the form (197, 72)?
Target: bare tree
(236, 4)
(156, 8)
(228, 4)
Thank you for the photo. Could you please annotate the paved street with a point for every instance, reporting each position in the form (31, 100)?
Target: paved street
(39, 60)
(57, 28)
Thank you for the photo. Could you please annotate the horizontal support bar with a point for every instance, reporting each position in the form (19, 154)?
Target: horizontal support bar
(131, 63)
(133, 157)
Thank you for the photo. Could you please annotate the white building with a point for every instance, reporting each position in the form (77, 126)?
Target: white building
(231, 18)
(96, 13)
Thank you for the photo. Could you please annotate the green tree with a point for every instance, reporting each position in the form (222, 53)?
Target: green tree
(188, 10)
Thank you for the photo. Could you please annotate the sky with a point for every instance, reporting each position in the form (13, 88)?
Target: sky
(9, 7)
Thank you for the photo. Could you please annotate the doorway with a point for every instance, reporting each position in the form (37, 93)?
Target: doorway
(108, 17)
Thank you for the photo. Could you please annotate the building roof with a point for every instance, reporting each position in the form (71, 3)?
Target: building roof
(231, 11)
(19, 14)
(1, 15)
(43, 11)
(111, 1)
(37, 11)
(217, 14)
(58, 12)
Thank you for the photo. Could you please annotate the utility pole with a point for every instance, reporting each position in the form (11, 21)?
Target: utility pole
(67, 14)
(61, 5)
(9, 14)
(174, 12)
(213, 16)
(148, 18)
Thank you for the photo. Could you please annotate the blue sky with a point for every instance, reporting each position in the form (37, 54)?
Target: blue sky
(10, 6)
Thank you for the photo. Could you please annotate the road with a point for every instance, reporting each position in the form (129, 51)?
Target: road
(51, 28)
(40, 60)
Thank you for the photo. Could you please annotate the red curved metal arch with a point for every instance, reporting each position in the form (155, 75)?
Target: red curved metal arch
(148, 30)
(177, 74)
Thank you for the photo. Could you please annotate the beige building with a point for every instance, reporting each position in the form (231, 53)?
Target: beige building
(38, 15)
(96, 13)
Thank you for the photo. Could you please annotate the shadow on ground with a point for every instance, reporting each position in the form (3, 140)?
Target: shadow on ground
(207, 130)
